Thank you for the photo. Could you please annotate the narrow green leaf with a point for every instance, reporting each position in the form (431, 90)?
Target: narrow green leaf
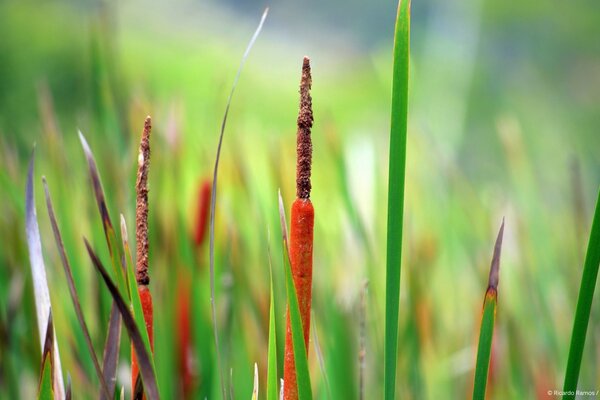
(272, 349)
(300, 353)
(488, 318)
(73, 290)
(144, 359)
(213, 199)
(584, 305)
(397, 163)
(45, 391)
(113, 338)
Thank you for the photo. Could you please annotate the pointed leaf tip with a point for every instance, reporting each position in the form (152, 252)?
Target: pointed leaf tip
(495, 266)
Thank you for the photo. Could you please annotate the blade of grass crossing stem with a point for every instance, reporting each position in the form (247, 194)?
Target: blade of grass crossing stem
(395, 218)
(136, 302)
(147, 370)
(113, 337)
(488, 318)
(213, 199)
(111, 238)
(272, 349)
(73, 290)
(584, 305)
(300, 355)
(45, 391)
(38, 273)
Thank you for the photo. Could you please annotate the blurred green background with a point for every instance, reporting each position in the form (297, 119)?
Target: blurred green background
(504, 120)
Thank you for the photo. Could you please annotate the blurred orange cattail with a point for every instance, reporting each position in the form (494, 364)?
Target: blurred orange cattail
(301, 232)
(202, 212)
(141, 234)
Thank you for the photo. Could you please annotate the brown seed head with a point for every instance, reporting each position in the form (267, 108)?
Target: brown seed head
(141, 212)
(303, 139)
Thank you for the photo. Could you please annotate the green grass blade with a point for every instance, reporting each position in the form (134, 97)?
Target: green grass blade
(73, 290)
(488, 318)
(300, 355)
(395, 218)
(272, 349)
(145, 362)
(584, 305)
(45, 391)
(213, 199)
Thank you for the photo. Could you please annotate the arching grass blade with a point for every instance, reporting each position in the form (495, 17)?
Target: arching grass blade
(584, 305)
(395, 218)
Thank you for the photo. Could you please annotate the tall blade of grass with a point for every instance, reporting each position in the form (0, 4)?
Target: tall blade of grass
(395, 217)
(38, 273)
(144, 359)
(584, 305)
(45, 391)
(113, 338)
(68, 389)
(300, 355)
(213, 198)
(488, 318)
(73, 290)
(272, 349)
(134, 296)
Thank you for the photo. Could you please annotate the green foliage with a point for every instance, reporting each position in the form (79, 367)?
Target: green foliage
(584, 306)
(397, 160)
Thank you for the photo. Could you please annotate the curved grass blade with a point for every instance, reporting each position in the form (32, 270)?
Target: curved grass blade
(73, 290)
(272, 349)
(300, 354)
(45, 391)
(40, 283)
(399, 121)
(213, 199)
(584, 305)
(488, 318)
(145, 362)
(113, 338)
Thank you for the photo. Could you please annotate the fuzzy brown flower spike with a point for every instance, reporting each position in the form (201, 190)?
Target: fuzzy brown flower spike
(141, 212)
(304, 143)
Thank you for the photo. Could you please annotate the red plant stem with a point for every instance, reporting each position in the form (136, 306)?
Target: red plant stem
(146, 299)
(301, 233)
(184, 340)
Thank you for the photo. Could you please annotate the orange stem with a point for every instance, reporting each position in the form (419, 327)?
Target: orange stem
(146, 299)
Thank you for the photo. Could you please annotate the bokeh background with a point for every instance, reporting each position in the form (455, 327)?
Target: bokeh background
(504, 122)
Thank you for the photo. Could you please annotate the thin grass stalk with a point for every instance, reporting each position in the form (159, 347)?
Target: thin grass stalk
(397, 164)
(488, 318)
(584, 306)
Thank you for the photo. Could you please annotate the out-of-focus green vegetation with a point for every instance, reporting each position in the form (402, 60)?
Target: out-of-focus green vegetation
(503, 121)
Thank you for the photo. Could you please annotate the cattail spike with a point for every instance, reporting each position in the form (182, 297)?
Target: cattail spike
(303, 139)
(141, 214)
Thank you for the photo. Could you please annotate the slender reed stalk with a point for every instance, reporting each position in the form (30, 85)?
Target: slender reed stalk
(488, 318)
(301, 231)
